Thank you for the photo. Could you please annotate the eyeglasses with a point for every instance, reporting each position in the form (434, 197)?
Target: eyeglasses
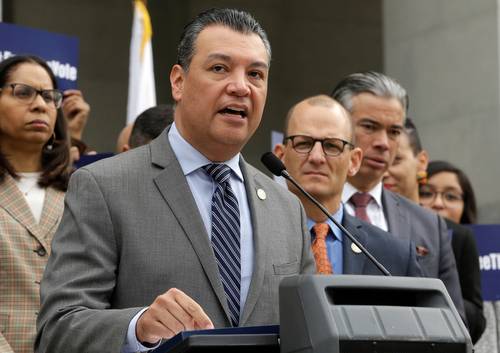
(450, 198)
(27, 94)
(331, 146)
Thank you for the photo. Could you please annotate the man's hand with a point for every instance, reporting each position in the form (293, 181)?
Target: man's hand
(76, 111)
(171, 313)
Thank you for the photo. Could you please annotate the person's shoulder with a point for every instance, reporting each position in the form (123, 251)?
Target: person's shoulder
(411, 206)
(135, 159)
(460, 232)
(269, 185)
(371, 230)
(379, 239)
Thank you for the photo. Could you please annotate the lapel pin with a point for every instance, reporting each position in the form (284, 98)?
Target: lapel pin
(261, 194)
(355, 248)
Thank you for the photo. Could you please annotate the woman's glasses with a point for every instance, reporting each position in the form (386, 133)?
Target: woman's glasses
(27, 94)
(450, 198)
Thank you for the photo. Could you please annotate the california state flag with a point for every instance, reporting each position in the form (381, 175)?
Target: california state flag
(141, 84)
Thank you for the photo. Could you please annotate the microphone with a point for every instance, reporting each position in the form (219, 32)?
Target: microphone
(277, 167)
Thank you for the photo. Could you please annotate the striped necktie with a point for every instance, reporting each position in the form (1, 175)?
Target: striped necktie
(226, 236)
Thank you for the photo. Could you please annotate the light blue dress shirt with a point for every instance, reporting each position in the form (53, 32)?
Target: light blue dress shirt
(202, 188)
(334, 240)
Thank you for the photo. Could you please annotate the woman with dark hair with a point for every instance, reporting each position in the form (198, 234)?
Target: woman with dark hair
(34, 173)
(405, 176)
(457, 201)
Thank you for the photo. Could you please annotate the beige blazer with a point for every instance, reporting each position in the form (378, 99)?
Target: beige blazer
(24, 250)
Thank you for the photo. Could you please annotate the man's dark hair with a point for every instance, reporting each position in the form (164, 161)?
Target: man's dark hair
(150, 123)
(372, 82)
(469, 215)
(237, 20)
(413, 136)
(55, 160)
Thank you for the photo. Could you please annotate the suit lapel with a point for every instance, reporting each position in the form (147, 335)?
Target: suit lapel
(259, 210)
(173, 186)
(13, 202)
(354, 263)
(52, 211)
(398, 220)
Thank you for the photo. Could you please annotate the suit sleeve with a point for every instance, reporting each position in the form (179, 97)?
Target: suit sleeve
(308, 265)
(80, 277)
(468, 268)
(448, 269)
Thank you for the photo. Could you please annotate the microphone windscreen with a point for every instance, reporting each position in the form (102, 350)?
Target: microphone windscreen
(273, 163)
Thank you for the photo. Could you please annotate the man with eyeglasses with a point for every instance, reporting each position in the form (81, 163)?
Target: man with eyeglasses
(377, 105)
(319, 153)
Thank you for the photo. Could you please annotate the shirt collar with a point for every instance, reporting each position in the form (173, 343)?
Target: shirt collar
(191, 159)
(334, 229)
(350, 190)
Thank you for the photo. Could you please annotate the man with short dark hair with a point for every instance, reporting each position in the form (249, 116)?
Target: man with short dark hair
(149, 124)
(318, 151)
(182, 233)
(377, 105)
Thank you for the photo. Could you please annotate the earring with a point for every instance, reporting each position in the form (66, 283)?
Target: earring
(422, 177)
(50, 142)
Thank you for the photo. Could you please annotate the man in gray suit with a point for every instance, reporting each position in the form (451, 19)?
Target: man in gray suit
(377, 105)
(318, 151)
(182, 233)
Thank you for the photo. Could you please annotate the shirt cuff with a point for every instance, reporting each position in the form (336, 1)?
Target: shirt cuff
(132, 344)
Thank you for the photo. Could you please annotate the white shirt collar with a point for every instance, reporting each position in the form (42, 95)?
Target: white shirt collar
(350, 190)
(191, 159)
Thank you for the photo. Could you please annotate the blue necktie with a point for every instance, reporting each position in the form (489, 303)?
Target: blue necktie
(226, 236)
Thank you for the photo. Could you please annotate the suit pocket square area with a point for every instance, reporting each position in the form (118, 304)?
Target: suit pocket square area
(289, 268)
(422, 251)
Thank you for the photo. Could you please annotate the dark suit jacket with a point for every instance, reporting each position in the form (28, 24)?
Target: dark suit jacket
(398, 256)
(131, 230)
(464, 247)
(426, 229)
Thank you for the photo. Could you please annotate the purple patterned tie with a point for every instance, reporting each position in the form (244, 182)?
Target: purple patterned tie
(360, 200)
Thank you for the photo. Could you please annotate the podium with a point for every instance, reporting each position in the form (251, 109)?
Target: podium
(369, 314)
(345, 314)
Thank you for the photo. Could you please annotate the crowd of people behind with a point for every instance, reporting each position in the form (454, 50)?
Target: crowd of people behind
(355, 150)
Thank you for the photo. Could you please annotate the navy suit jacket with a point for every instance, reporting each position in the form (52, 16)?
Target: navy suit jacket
(398, 256)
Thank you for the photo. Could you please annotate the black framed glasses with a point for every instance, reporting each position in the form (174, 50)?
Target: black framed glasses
(450, 198)
(27, 94)
(331, 146)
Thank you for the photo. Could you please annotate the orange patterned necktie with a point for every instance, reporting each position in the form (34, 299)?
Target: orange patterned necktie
(320, 253)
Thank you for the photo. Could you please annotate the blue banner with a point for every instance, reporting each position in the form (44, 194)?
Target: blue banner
(488, 245)
(60, 51)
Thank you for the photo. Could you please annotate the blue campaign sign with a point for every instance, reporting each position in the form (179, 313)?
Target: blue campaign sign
(488, 244)
(60, 51)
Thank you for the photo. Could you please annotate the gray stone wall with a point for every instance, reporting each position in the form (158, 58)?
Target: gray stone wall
(445, 52)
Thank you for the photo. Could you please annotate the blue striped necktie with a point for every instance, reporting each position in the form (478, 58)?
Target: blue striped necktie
(226, 236)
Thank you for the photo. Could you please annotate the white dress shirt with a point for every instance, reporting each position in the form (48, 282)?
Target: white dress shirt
(375, 210)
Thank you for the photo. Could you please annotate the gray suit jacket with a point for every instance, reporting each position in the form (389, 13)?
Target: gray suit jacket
(398, 256)
(427, 230)
(131, 230)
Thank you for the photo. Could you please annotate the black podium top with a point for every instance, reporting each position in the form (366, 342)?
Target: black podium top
(261, 339)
